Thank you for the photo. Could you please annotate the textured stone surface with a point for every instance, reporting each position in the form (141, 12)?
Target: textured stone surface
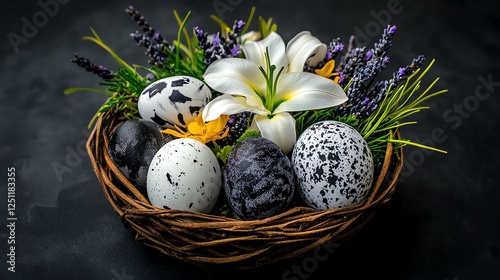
(258, 179)
(132, 146)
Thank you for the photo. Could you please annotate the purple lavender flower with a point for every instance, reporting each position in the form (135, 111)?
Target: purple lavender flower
(392, 30)
(151, 40)
(235, 50)
(237, 124)
(99, 70)
(359, 68)
(220, 45)
(369, 55)
(240, 24)
(216, 40)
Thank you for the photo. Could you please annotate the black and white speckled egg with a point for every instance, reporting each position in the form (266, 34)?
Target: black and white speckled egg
(173, 100)
(258, 179)
(333, 165)
(132, 146)
(184, 175)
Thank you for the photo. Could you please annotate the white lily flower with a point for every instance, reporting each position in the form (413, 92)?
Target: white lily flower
(264, 84)
(305, 49)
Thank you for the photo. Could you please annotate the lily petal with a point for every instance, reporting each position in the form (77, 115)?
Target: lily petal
(256, 51)
(227, 105)
(304, 49)
(236, 76)
(280, 129)
(250, 36)
(300, 91)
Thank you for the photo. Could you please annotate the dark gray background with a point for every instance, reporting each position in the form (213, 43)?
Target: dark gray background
(442, 223)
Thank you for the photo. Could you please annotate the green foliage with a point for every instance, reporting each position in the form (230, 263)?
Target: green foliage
(126, 86)
(399, 103)
(380, 127)
(223, 153)
(187, 58)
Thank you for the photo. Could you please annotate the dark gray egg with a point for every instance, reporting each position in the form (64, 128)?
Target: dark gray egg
(258, 179)
(132, 146)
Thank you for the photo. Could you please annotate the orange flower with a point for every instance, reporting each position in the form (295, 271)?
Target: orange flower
(201, 131)
(327, 71)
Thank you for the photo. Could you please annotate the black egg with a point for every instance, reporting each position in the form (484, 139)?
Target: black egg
(258, 179)
(132, 146)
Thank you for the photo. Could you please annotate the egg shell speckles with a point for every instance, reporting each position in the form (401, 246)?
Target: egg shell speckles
(333, 164)
(132, 146)
(258, 179)
(184, 175)
(173, 100)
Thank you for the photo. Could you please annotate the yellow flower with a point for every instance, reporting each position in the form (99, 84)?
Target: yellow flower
(201, 131)
(327, 71)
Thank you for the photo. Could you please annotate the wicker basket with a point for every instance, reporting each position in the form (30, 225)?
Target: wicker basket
(211, 239)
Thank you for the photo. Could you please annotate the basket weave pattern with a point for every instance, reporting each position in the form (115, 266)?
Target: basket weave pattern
(210, 239)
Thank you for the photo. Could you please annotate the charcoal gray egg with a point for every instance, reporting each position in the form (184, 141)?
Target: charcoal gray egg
(132, 146)
(258, 179)
(333, 164)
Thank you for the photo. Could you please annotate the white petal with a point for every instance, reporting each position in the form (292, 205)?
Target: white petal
(236, 76)
(256, 51)
(227, 105)
(280, 129)
(250, 36)
(304, 49)
(300, 91)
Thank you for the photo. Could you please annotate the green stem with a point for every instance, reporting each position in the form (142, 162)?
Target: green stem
(72, 90)
(250, 17)
(408, 142)
(179, 32)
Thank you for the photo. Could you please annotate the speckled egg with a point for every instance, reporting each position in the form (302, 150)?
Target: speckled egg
(173, 100)
(258, 179)
(132, 146)
(184, 175)
(333, 165)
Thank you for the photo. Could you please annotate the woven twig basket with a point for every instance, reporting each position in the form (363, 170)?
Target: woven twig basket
(211, 239)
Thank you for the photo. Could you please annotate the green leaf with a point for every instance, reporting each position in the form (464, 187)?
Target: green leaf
(247, 134)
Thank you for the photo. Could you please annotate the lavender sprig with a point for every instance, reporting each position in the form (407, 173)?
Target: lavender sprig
(363, 62)
(365, 102)
(237, 124)
(152, 41)
(99, 70)
(218, 45)
(358, 69)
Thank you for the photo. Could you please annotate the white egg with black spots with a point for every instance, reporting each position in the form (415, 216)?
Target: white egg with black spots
(258, 179)
(333, 164)
(173, 100)
(184, 175)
